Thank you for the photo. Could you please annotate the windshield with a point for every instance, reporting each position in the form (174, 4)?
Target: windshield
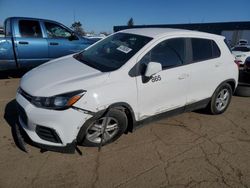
(113, 52)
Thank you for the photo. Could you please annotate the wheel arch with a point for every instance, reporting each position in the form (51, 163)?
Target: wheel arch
(231, 82)
(129, 113)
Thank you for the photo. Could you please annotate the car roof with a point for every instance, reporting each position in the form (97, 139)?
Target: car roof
(34, 19)
(160, 32)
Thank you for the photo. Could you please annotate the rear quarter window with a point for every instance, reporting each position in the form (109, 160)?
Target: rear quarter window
(204, 49)
(216, 49)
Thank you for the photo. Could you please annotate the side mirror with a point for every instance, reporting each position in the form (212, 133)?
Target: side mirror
(72, 37)
(152, 68)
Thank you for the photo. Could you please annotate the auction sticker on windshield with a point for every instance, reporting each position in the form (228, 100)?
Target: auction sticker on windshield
(124, 49)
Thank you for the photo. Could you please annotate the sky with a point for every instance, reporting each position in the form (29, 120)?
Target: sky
(99, 16)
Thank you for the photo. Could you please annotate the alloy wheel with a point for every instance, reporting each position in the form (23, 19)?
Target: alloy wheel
(222, 100)
(94, 132)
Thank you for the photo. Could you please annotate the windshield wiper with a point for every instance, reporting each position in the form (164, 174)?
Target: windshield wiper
(84, 61)
(78, 57)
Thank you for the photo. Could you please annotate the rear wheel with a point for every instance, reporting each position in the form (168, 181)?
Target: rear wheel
(91, 133)
(220, 99)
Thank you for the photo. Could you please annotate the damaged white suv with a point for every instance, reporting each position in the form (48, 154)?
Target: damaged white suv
(125, 80)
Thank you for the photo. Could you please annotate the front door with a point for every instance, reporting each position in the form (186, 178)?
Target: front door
(61, 40)
(166, 90)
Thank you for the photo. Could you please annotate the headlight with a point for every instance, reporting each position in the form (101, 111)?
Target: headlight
(58, 102)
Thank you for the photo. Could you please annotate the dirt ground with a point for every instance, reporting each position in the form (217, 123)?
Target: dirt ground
(189, 150)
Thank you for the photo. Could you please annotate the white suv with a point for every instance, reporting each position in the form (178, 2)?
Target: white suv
(123, 81)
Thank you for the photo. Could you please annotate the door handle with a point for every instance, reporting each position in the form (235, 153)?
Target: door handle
(217, 64)
(23, 42)
(53, 43)
(183, 76)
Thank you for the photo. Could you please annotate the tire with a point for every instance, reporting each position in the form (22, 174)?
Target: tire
(220, 99)
(243, 90)
(90, 133)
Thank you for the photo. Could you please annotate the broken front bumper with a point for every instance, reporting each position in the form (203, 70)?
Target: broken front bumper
(21, 138)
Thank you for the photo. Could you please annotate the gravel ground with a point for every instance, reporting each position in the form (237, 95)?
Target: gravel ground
(189, 150)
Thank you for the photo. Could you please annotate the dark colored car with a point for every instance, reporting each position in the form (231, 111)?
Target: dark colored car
(247, 66)
(243, 88)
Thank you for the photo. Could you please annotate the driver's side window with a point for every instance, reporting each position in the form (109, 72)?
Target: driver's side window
(56, 31)
(170, 53)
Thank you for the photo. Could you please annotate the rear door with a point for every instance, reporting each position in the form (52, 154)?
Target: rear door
(61, 40)
(32, 47)
(205, 69)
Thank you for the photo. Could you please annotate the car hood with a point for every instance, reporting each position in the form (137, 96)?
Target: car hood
(61, 75)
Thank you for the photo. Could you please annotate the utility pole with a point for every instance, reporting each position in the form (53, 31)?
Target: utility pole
(74, 16)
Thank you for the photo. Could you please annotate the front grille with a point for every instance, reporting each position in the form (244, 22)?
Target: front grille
(47, 134)
(22, 114)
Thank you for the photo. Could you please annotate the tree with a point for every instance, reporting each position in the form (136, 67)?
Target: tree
(104, 33)
(77, 27)
(130, 22)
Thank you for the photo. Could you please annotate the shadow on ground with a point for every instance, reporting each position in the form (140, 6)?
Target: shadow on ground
(244, 77)
(11, 116)
(13, 73)
(20, 137)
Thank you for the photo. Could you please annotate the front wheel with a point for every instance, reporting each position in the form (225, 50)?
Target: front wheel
(91, 133)
(220, 99)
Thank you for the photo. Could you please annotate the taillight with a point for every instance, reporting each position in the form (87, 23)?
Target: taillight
(238, 62)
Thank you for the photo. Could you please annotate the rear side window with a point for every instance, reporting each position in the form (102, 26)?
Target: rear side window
(30, 28)
(169, 53)
(216, 50)
(204, 49)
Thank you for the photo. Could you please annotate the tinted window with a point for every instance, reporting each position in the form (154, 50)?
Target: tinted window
(201, 49)
(30, 28)
(216, 50)
(112, 52)
(204, 49)
(169, 53)
(56, 31)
